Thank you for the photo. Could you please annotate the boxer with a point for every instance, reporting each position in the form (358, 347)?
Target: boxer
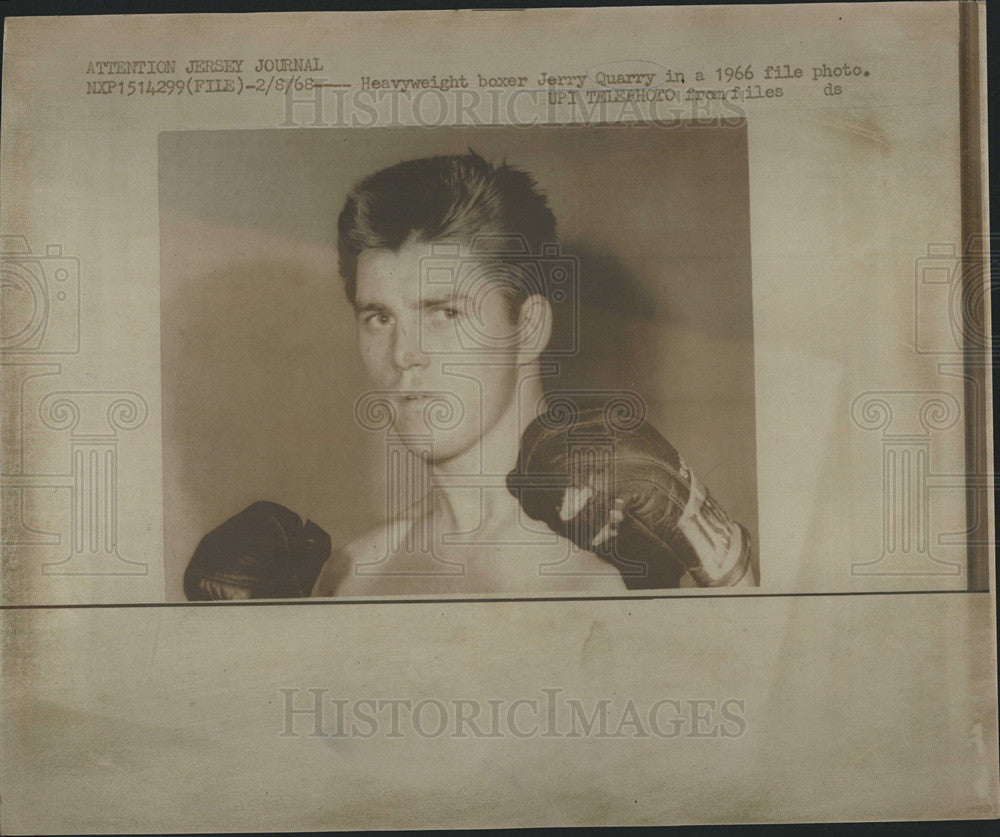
(509, 508)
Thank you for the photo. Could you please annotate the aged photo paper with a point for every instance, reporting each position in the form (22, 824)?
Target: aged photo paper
(496, 419)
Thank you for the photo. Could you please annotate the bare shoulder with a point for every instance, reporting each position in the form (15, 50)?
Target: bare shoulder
(338, 570)
(584, 572)
(370, 545)
(353, 568)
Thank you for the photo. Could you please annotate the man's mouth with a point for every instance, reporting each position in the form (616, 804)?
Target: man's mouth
(412, 397)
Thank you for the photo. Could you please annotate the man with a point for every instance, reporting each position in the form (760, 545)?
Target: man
(474, 344)
(499, 492)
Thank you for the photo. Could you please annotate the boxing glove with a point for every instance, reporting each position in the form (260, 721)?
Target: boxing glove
(622, 491)
(264, 552)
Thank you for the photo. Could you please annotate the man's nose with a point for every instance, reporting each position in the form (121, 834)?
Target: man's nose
(406, 350)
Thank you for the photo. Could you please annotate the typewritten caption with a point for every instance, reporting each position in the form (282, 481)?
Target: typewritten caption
(626, 82)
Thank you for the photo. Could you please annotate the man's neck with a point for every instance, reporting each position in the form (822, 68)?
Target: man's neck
(470, 490)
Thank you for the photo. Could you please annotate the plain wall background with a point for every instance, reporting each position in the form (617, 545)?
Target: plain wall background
(260, 371)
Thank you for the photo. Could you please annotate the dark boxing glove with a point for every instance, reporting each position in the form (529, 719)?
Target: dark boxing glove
(620, 490)
(264, 552)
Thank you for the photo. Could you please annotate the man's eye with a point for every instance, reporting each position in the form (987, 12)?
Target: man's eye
(377, 320)
(450, 313)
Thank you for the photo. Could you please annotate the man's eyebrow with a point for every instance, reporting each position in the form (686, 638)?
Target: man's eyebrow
(445, 299)
(366, 307)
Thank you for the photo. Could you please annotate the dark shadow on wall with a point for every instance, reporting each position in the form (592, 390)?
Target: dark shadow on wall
(611, 302)
(249, 357)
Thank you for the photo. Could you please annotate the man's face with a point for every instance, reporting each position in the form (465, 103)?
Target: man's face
(408, 332)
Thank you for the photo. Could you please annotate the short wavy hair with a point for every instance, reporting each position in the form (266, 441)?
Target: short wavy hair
(433, 198)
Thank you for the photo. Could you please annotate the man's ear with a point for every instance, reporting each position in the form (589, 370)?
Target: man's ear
(534, 328)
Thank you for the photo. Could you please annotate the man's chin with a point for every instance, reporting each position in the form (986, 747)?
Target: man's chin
(436, 457)
(430, 447)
